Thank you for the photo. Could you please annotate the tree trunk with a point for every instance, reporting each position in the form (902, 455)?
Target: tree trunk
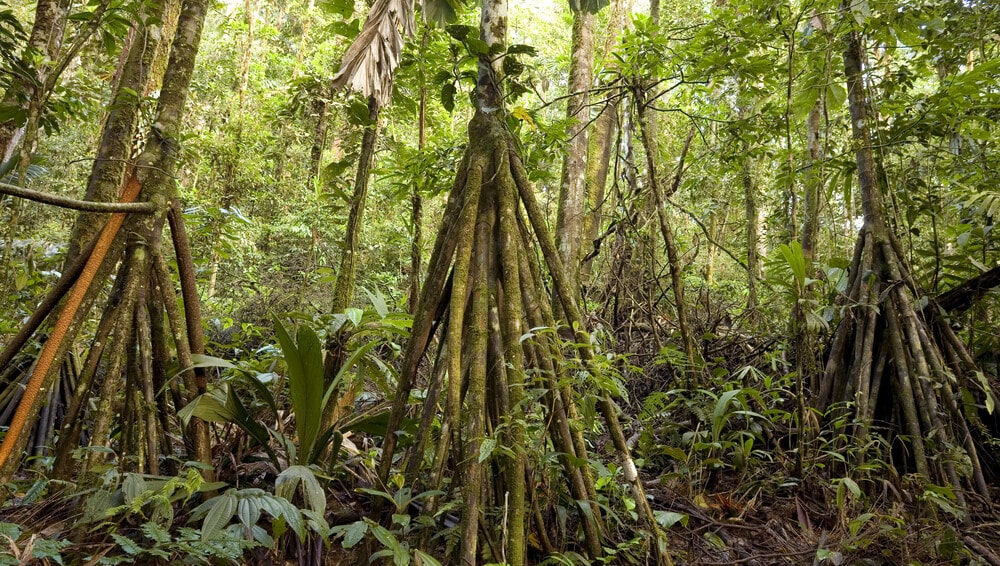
(473, 276)
(753, 234)
(569, 222)
(882, 348)
(45, 40)
(600, 145)
(344, 289)
(649, 142)
(154, 173)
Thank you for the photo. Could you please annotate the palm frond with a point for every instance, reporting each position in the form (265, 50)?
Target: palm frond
(370, 62)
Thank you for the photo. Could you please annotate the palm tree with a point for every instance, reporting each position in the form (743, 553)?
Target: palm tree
(485, 286)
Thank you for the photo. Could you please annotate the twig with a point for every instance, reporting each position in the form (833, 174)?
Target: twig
(707, 235)
(87, 206)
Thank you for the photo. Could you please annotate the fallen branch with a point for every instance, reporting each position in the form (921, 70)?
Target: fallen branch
(84, 205)
(969, 292)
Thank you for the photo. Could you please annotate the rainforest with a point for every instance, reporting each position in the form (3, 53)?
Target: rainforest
(499, 282)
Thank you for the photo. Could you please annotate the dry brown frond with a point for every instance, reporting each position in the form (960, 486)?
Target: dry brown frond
(370, 62)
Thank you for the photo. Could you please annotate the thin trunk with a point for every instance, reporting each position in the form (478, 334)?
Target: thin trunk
(416, 212)
(649, 142)
(753, 235)
(569, 222)
(601, 144)
(250, 8)
(344, 290)
(46, 41)
(113, 151)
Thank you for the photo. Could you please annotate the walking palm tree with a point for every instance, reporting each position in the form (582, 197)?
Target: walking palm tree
(484, 284)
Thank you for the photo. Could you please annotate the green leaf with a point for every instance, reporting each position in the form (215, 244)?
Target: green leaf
(133, 486)
(248, 511)
(440, 12)
(861, 11)
(448, 91)
(305, 383)
(288, 481)
(459, 32)
(207, 407)
(378, 302)
(385, 537)
(486, 448)
(852, 486)
(401, 519)
(342, 8)
(667, 519)
(720, 414)
(128, 545)
(219, 515)
(354, 315)
(836, 95)
(359, 114)
(477, 46)
(354, 533)
(424, 559)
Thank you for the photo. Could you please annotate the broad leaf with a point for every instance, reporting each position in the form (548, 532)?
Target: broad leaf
(305, 383)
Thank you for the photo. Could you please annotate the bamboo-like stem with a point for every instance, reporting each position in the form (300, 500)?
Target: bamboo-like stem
(605, 404)
(911, 420)
(198, 430)
(69, 435)
(433, 290)
(27, 408)
(464, 234)
(148, 397)
(159, 356)
(131, 272)
(474, 406)
(648, 135)
(563, 404)
(193, 436)
(511, 318)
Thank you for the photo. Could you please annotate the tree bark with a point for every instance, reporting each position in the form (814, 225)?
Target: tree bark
(344, 289)
(45, 40)
(572, 196)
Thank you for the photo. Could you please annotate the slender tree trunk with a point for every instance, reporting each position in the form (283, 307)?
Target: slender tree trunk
(115, 145)
(250, 8)
(416, 201)
(572, 196)
(45, 40)
(344, 289)
(649, 142)
(601, 143)
(753, 235)
(807, 348)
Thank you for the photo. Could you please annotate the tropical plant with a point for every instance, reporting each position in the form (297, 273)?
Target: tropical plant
(311, 397)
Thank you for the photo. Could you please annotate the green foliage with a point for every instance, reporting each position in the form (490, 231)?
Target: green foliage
(311, 397)
(304, 359)
(394, 540)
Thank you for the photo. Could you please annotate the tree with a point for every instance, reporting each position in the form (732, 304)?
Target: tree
(573, 187)
(882, 345)
(481, 274)
(152, 177)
